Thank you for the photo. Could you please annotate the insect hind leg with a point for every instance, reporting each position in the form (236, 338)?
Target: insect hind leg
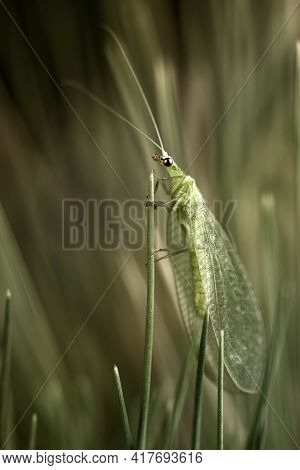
(161, 204)
(170, 253)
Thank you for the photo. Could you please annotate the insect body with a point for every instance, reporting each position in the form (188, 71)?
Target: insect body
(211, 278)
(209, 275)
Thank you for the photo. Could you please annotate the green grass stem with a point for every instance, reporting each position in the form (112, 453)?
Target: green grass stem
(297, 215)
(123, 410)
(220, 411)
(5, 370)
(196, 432)
(145, 399)
(180, 397)
(297, 127)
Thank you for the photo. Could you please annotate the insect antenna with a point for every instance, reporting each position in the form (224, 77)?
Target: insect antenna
(123, 52)
(89, 94)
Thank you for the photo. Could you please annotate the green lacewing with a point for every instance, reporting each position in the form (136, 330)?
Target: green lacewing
(209, 275)
(211, 278)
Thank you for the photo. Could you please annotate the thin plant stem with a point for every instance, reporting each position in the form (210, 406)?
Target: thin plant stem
(5, 370)
(220, 412)
(180, 397)
(196, 434)
(145, 399)
(33, 432)
(297, 216)
(297, 127)
(123, 410)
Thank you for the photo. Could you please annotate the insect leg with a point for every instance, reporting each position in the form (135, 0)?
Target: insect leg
(170, 254)
(158, 181)
(166, 204)
(161, 204)
(162, 181)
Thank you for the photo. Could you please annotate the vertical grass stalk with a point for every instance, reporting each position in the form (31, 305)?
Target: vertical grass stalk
(297, 127)
(33, 432)
(180, 396)
(145, 399)
(123, 410)
(5, 370)
(297, 218)
(220, 412)
(196, 433)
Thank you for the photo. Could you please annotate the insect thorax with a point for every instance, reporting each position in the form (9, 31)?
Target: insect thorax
(181, 188)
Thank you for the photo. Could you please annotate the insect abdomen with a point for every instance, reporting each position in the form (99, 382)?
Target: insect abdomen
(199, 296)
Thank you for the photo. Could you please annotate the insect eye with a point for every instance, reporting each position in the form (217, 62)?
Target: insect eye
(168, 161)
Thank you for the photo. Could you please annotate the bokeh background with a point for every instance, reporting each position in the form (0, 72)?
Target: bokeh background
(192, 59)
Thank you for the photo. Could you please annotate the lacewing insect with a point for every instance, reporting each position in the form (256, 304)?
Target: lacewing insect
(209, 275)
(211, 278)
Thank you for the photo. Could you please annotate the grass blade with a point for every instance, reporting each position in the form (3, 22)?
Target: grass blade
(297, 218)
(297, 127)
(181, 392)
(196, 434)
(220, 412)
(33, 432)
(5, 370)
(123, 410)
(145, 399)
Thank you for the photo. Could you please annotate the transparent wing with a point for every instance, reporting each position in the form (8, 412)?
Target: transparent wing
(230, 299)
(178, 239)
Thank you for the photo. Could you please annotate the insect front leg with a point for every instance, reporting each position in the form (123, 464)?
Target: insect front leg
(162, 182)
(168, 204)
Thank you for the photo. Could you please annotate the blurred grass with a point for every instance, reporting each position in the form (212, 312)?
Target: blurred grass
(191, 58)
(5, 371)
(123, 410)
(33, 432)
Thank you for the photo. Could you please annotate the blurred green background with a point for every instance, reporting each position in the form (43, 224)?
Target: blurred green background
(192, 58)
